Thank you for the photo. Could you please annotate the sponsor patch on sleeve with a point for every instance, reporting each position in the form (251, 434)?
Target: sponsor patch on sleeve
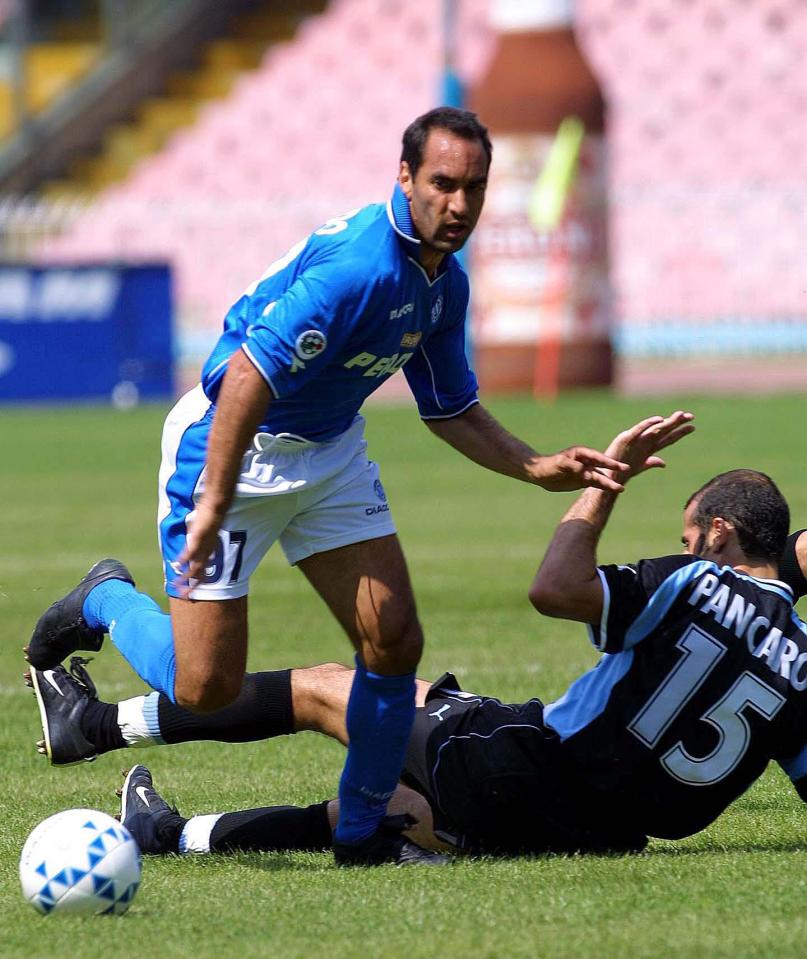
(310, 344)
(411, 339)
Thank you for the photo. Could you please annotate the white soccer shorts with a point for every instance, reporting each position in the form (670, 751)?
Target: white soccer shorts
(309, 496)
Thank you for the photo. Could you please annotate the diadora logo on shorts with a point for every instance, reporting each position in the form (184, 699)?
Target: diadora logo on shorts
(437, 309)
(379, 492)
(378, 365)
(402, 311)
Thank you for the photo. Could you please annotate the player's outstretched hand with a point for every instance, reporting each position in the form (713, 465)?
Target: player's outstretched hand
(578, 467)
(637, 446)
(203, 539)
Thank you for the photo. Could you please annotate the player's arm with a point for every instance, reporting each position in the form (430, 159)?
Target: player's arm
(568, 584)
(446, 392)
(478, 435)
(241, 404)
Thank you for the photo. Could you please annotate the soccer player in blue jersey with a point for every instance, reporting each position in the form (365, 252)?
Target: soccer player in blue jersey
(703, 682)
(269, 447)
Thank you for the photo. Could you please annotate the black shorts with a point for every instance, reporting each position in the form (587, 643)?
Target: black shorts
(496, 781)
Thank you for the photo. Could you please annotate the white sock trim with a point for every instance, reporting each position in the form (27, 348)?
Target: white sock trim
(195, 835)
(137, 719)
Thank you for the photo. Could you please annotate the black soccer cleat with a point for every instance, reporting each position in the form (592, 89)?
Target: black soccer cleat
(62, 699)
(387, 845)
(62, 629)
(155, 825)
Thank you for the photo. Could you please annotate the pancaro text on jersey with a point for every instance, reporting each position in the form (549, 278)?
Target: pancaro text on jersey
(765, 642)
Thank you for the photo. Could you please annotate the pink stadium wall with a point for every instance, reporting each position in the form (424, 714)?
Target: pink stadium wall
(708, 151)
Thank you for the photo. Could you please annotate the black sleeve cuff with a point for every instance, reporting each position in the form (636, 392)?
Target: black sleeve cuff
(789, 569)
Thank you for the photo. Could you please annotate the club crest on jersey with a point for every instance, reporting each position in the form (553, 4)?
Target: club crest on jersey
(310, 344)
(437, 309)
(410, 340)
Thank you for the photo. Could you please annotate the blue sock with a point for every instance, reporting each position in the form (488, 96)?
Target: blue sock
(380, 713)
(139, 628)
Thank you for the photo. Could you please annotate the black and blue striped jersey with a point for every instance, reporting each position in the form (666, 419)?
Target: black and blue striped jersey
(702, 683)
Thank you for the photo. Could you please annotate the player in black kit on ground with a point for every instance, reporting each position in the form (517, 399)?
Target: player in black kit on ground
(701, 684)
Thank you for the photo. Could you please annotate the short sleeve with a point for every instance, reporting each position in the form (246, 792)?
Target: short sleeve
(790, 569)
(294, 337)
(630, 591)
(438, 374)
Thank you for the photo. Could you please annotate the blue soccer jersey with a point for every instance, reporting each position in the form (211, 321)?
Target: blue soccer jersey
(345, 309)
(703, 682)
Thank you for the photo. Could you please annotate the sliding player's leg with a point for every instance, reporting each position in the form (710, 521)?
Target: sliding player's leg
(77, 726)
(159, 828)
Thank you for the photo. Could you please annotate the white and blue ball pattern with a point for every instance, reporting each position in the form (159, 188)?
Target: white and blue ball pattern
(80, 861)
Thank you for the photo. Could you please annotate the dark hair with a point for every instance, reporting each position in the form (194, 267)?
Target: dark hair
(463, 123)
(752, 502)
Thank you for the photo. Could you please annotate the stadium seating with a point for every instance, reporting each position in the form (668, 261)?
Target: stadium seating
(232, 192)
(707, 199)
(707, 204)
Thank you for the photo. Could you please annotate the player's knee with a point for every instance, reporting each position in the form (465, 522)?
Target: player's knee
(398, 650)
(206, 693)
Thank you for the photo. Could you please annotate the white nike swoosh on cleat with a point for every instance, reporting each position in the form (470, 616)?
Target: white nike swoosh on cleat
(141, 791)
(48, 674)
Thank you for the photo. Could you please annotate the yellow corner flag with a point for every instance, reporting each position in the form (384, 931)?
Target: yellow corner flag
(551, 189)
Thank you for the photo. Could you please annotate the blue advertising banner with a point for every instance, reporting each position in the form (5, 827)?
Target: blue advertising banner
(86, 332)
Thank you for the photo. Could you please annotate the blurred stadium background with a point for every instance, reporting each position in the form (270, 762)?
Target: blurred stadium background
(155, 157)
(210, 136)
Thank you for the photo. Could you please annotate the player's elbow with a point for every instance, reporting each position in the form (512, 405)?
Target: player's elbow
(547, 596)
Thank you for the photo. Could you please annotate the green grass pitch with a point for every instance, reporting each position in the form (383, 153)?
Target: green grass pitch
(79, 484)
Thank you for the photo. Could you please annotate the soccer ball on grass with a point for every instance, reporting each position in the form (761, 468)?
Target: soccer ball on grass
(80, 861)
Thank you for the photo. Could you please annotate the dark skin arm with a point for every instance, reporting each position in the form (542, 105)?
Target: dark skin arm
(567, 584)
(240, 407)
(479, 436)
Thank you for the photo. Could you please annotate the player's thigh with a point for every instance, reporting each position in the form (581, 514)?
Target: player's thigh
(320, 696)
(210, 645)
(366, 586)
(255, 520)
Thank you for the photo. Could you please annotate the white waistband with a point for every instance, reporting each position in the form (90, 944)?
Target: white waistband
(263, 442)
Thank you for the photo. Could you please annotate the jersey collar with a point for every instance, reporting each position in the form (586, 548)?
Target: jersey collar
(400, 217)
(774, 585)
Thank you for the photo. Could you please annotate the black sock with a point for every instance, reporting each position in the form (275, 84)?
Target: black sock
(99, 724)
(263, 709)
(278, 828)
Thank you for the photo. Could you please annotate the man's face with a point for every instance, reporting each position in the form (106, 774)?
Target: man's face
(447, 194)
(692, 537)
(696, 542)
